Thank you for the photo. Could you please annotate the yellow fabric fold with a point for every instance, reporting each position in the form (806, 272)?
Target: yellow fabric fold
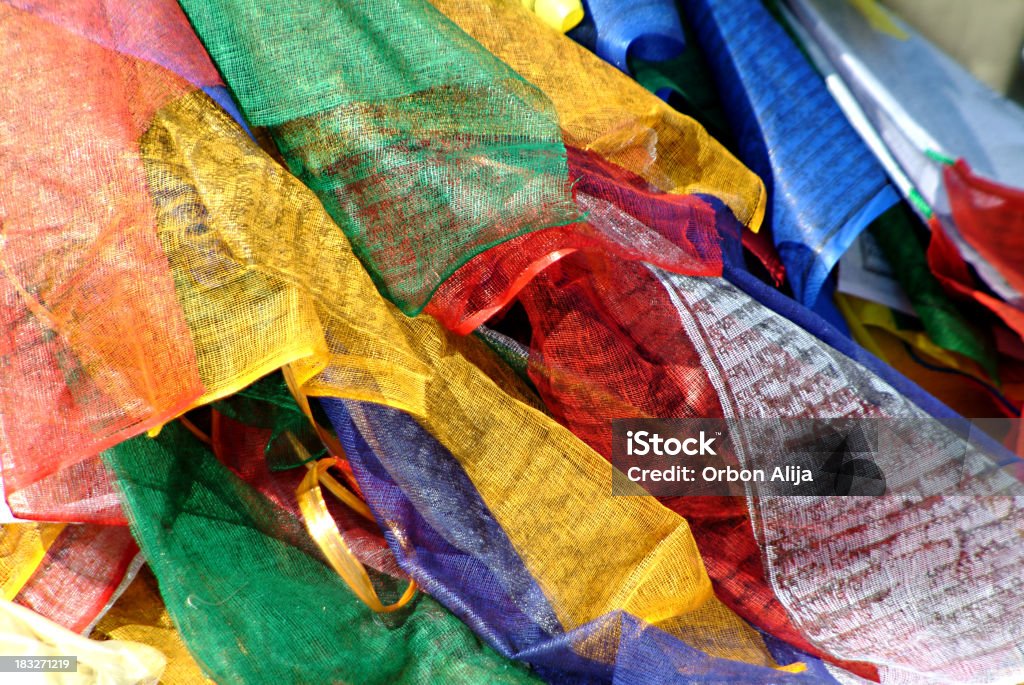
(139, 615)
(23, 546)
(592, 554)
(601, 109)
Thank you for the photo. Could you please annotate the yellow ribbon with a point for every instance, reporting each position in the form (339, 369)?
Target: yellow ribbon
(324, 531)
(329, 441)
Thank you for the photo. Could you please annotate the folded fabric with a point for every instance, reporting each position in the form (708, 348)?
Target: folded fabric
(725, 352)
(377, 354)
(69, 574)
(683, 240)
(95, 345)
(929, 110)
(956, 381)
(449, 539)
(946, 325)
(24, 633)
(648, 30)
(644, 135)
(637, 364)
(425, 149)
(626, 125)
(139, 615)
(251, 599)
(251, 434)
(859, 604)
(195, 264)
(824, 184)
(80, 492)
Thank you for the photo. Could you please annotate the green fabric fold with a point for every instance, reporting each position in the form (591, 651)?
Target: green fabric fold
(945, 324)
(424, 147)
(251, 597)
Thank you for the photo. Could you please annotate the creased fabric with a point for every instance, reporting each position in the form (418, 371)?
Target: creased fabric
(824, 185)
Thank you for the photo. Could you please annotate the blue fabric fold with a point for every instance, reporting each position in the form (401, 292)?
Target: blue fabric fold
(647, 29)
(444, 536)
(824, 184)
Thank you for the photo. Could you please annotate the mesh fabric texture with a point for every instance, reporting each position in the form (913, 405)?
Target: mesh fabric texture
(681, 346)
(848, 618)
(626, 126)
(95, 342)
(66, 573)
(824, 184)
(139, 615)
(685, 240)
(447, 537)
(423, 147)
(376, 353)
(223, 554)
(102, 367)
(621, 129)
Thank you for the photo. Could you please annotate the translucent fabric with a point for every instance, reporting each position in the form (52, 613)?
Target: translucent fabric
(607, 345)
(411, 365)
(729, 338)
(24, 633)
(824, 185)
(81, 492)
(66, 573)
(424, 148)
(23, 547)
(684, 239)
(139, 615)
(626, 125)
(251, 433)
(160, 35)
(253, 274)
(96, 345)
(447, 537)
(88, 304)
(225, 555)
(611, 342)
(480, 288)
(908, 587)
(375, 353)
